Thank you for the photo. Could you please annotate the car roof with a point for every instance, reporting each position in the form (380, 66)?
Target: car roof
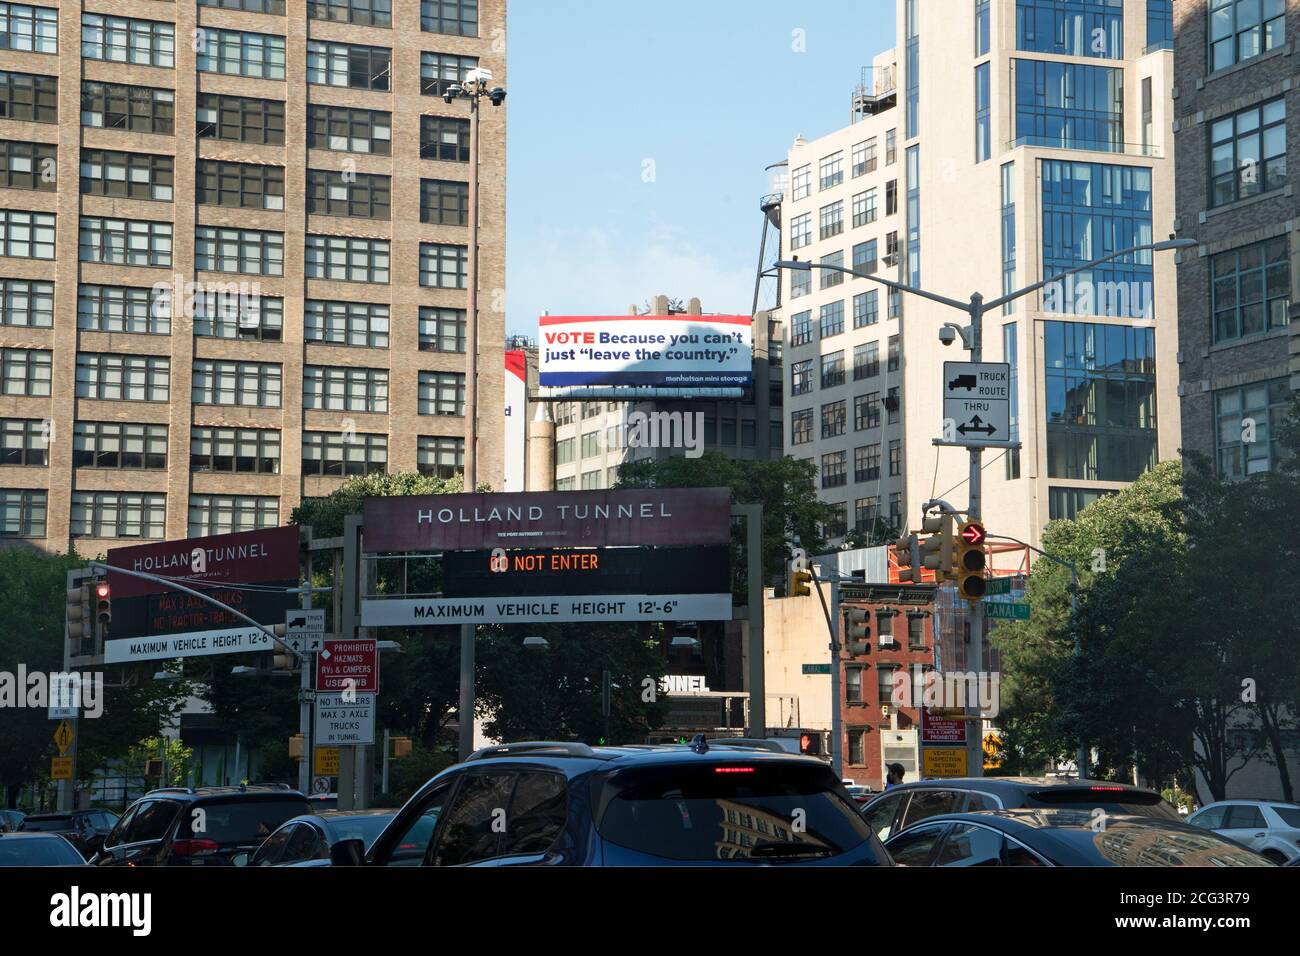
(198, 793)
(1058, 818)
(1018, 784)
(1251, 802)
(30, 835)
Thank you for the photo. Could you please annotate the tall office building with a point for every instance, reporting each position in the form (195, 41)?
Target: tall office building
(1032, 136)
(1239, 349)
(234, 257)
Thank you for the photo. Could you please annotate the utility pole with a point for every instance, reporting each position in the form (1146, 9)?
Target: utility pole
(306, 699)
(974, 723)
(832, 615)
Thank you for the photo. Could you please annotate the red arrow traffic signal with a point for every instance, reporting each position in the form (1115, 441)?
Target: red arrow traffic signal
(973, 533)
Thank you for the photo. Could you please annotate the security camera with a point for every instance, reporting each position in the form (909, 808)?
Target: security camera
(478, 77)
(947, 335)
(497, 96)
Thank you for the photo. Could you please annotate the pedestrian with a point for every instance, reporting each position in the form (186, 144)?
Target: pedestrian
(894, 776)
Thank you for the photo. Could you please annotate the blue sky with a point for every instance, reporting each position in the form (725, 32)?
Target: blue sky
(708, 91)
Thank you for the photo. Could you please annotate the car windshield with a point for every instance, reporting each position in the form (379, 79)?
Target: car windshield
(1290, 815)
(728, 812)
(47, 823)
(40, 851)
(359, 828)
(1138, 803)
(242, 821)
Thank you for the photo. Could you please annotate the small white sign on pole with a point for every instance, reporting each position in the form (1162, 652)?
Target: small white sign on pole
(344, 719)
(304, 630)
(976, 404)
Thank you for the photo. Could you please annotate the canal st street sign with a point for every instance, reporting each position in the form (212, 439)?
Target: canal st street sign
(1003, 611)
(676, 516)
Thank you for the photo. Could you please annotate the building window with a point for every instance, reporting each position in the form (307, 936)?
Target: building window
(866, 463)
(866, 411)
(361, 324)
(27, 304)
(564, 451)
(29, 97)
(453, 17)
(444, 138)
(1066, 503)
(443, 266)
(895, 509)
(141, 109)
(1248, 152)
(800, 283)
(366, 13)
(831, 277)
(863, 157)
(833, 419)
(1069, 105)
(1101, 401)
(1008, 234)
(359, 195)
(1250, 289)
(241, 119)
(853, 694)
(865, 257)
(336, 388)
(1090, 209)
(124, 40)
(29, 29)
(831, 170)
(801, 378)
(914, 216)
(346, 130)
(891, 252)
(866, 361)
(22, 513)
(25, 372)
(442, 330)
(351, 65)
(238, 53)
(895, 304)
(441, 457)
(251, 384)
(565, 413)
(126, 175)
(115, 445)
(891, 147)
(444, 201)
(565, 484)
(833, 369)
(832, 319)
(915, 631)
(832, 220)
(1243, 29)
(274, 7)
(983, 135)
(240, 185)
(981, 27)
(440, 71)
(801, 231)
(895, 458)
(866, 309)
(834, 469)
(122, 242)
(105, 514)
(913, 59)
(237, 450)
(227, 315)
(27, 235)
(28, 165)
(891, 197)
(336, 454)
(801, 427)
(590, 444)
(442, 393)
(885, 673)
(1160, 25)
(1071, 27)
(864, 208)
(893, 406)
(1011, 355)
(347, 259)
(224, 514)
(25, 441)
(800, 329)
(1247, 423)
(246, 251)
(107, 308)
(123, 378)
(801, 183)
(894, 355)
(866, 511)
(837, 526)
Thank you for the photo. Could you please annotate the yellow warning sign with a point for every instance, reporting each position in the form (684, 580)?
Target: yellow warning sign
(327, 762)
(944, 762)
(63, 738)
(60, 768)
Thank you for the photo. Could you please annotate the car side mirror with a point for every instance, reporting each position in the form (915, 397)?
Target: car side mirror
(348, 853)
(241, 859)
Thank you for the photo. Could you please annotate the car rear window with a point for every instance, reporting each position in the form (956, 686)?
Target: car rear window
(720, 811)
(47, 823)
(242, 821)
(1290, 815)
(1156, 843)
(39, 851)
(1138, 803)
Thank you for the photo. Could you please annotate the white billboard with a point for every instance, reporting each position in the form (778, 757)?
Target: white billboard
(672, 351)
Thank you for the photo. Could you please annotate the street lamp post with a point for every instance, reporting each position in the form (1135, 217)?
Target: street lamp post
(972, 340)
(475, 88)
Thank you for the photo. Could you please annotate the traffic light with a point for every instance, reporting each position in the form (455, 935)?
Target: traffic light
(282, 659)
(296, 747)
(810, 743)
(103, 606)
(401, 747)
(938, 552)
(859, 625)
(907, 554)
(799, 582)
(79, 616)
(971, 561)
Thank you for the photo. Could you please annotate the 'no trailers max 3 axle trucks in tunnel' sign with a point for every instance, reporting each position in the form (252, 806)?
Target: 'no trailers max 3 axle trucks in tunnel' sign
(510, 534)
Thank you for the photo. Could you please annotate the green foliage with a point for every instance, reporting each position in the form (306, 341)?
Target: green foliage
(408, 774)
(179, 762)
(326, 515)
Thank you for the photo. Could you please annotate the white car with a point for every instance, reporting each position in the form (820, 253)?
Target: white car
(1270, 828)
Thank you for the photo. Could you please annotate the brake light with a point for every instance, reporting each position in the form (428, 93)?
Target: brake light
(194, 847)
(733, 769)
(1109, 789)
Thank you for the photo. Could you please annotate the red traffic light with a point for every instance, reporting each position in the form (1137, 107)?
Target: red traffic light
(101, 590)
(973, 534)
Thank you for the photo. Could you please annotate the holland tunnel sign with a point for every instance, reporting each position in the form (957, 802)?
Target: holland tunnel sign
(588, 519)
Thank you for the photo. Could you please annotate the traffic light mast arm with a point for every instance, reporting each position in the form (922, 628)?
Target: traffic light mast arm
(171, 583)
(835, 638)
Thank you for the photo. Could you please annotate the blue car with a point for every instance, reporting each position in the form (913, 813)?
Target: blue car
(568, 804)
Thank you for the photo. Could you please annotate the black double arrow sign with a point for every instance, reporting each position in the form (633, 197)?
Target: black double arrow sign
(975, 426)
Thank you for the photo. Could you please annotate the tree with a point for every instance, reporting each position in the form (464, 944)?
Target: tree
(326, 515)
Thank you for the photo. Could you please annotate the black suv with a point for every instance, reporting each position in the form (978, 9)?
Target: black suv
(548, 803)
(84, 829)
(909, 803)
(207, 826)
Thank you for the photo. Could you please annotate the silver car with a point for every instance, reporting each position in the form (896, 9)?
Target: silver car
(1269, 827)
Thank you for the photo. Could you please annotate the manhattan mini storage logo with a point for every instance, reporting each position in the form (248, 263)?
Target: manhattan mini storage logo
(75, 910)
